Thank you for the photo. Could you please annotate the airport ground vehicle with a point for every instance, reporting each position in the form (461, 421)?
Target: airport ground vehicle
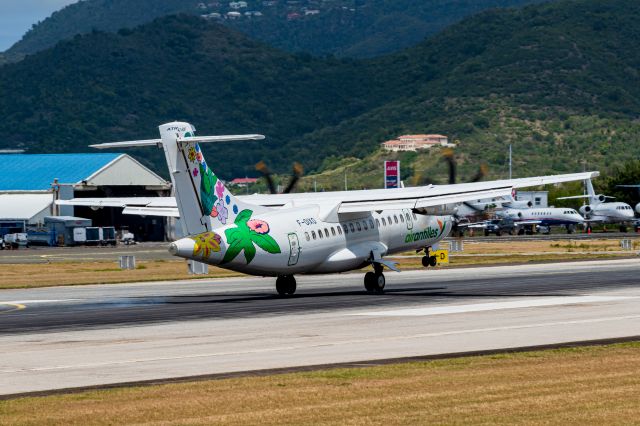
(16, 240)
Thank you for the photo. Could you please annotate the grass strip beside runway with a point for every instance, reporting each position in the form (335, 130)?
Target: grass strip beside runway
(595, 384)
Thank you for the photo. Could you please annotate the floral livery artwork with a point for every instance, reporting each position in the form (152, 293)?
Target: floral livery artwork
(213, 199)
(205, 244)
(247, 234)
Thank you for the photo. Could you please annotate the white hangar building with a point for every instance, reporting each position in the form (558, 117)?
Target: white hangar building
(29, 184)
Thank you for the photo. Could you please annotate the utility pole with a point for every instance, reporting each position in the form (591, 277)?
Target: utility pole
(510, 163)
(345, 179)
(315, 185)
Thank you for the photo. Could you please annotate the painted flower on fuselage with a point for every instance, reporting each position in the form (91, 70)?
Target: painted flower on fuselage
(223, 212)
(247, 234)
(205, 244)
(258, 226)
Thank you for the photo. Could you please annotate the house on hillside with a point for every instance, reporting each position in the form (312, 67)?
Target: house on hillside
(238, 4)
(416, 142)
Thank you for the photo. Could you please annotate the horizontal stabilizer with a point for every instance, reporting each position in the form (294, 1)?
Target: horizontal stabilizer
(199, 139)
(223, 138)
(152, 211)
(573, 197)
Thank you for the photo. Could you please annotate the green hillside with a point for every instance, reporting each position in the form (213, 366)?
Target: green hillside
(559, 81)
(101, 87)
(342, 27)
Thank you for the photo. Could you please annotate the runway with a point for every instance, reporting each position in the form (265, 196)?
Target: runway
(65, 337)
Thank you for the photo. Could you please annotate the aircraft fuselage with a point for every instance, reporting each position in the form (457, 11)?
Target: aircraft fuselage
(296, 241)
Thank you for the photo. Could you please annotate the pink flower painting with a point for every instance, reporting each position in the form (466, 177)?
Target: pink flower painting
(258, 226)
(220, 189)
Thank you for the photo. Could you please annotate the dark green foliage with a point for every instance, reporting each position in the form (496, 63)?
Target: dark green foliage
(540, 78)
(344, 27)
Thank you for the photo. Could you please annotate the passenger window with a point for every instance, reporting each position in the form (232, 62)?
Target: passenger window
(326, 232)
(389, 219)
(414, 216)
(333, 231)
(306, 235)
(346, 230)
(401, 218)
(313, 234)
(358, 226)
(377, 223)
(395, 218)
(371, 223)
(364, 224)
(408, 217)
(340, 230)
(384, 222)
(352, 228)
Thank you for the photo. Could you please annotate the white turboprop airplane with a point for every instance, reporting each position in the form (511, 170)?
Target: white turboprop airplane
(309, 233)
(600, 211)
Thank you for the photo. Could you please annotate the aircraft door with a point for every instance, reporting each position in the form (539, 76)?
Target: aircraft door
(409, 219)
(294, 249)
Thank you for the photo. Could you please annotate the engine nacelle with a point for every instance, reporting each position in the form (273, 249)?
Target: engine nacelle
(602, 198)
(638, 208)
(586, 210)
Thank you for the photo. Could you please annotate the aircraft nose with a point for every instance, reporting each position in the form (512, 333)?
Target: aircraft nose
(182, 247)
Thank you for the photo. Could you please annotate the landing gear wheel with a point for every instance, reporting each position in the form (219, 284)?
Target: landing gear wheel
(425, 261)
(623, 228)
(379, 283)
(369, 281)
(433, 260)
(286, 285)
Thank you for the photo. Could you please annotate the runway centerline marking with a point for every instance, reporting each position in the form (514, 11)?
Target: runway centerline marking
(492, 306)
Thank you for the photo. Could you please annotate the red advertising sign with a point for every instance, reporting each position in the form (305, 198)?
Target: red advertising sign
(392, 174)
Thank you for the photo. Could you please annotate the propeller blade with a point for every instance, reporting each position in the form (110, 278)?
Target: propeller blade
(266, 173)
(482, 172)
(295, 177)
(447, 155)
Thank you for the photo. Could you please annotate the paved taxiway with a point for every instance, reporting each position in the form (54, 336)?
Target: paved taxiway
(82, 336)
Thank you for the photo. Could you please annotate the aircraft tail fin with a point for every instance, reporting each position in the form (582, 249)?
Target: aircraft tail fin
(202, 199)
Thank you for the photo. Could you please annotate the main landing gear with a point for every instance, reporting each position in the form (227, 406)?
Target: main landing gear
(286, 285)
(374, 281)
(428, 259)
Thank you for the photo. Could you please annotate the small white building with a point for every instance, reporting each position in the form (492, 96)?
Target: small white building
(416, 142)
(238, 4)
(538, 198)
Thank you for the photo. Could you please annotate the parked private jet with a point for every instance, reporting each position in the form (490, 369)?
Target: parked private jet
(524, 219)
(282, 235)
(637, 187)
(600, 211)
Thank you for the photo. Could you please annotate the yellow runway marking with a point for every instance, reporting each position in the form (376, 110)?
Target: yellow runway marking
(15, 306)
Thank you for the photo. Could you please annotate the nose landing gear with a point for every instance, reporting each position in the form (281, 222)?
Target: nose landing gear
(374, 281)
(286, 285)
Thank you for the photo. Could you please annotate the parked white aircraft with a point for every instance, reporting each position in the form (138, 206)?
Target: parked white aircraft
(524, 219)
(600, 211)
(286, 234)
(636, 187)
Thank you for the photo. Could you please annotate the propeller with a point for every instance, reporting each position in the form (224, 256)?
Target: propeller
(296, 174)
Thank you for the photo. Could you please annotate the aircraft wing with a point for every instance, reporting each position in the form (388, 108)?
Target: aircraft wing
(421, 197)
(411, 198)
(144, 206)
